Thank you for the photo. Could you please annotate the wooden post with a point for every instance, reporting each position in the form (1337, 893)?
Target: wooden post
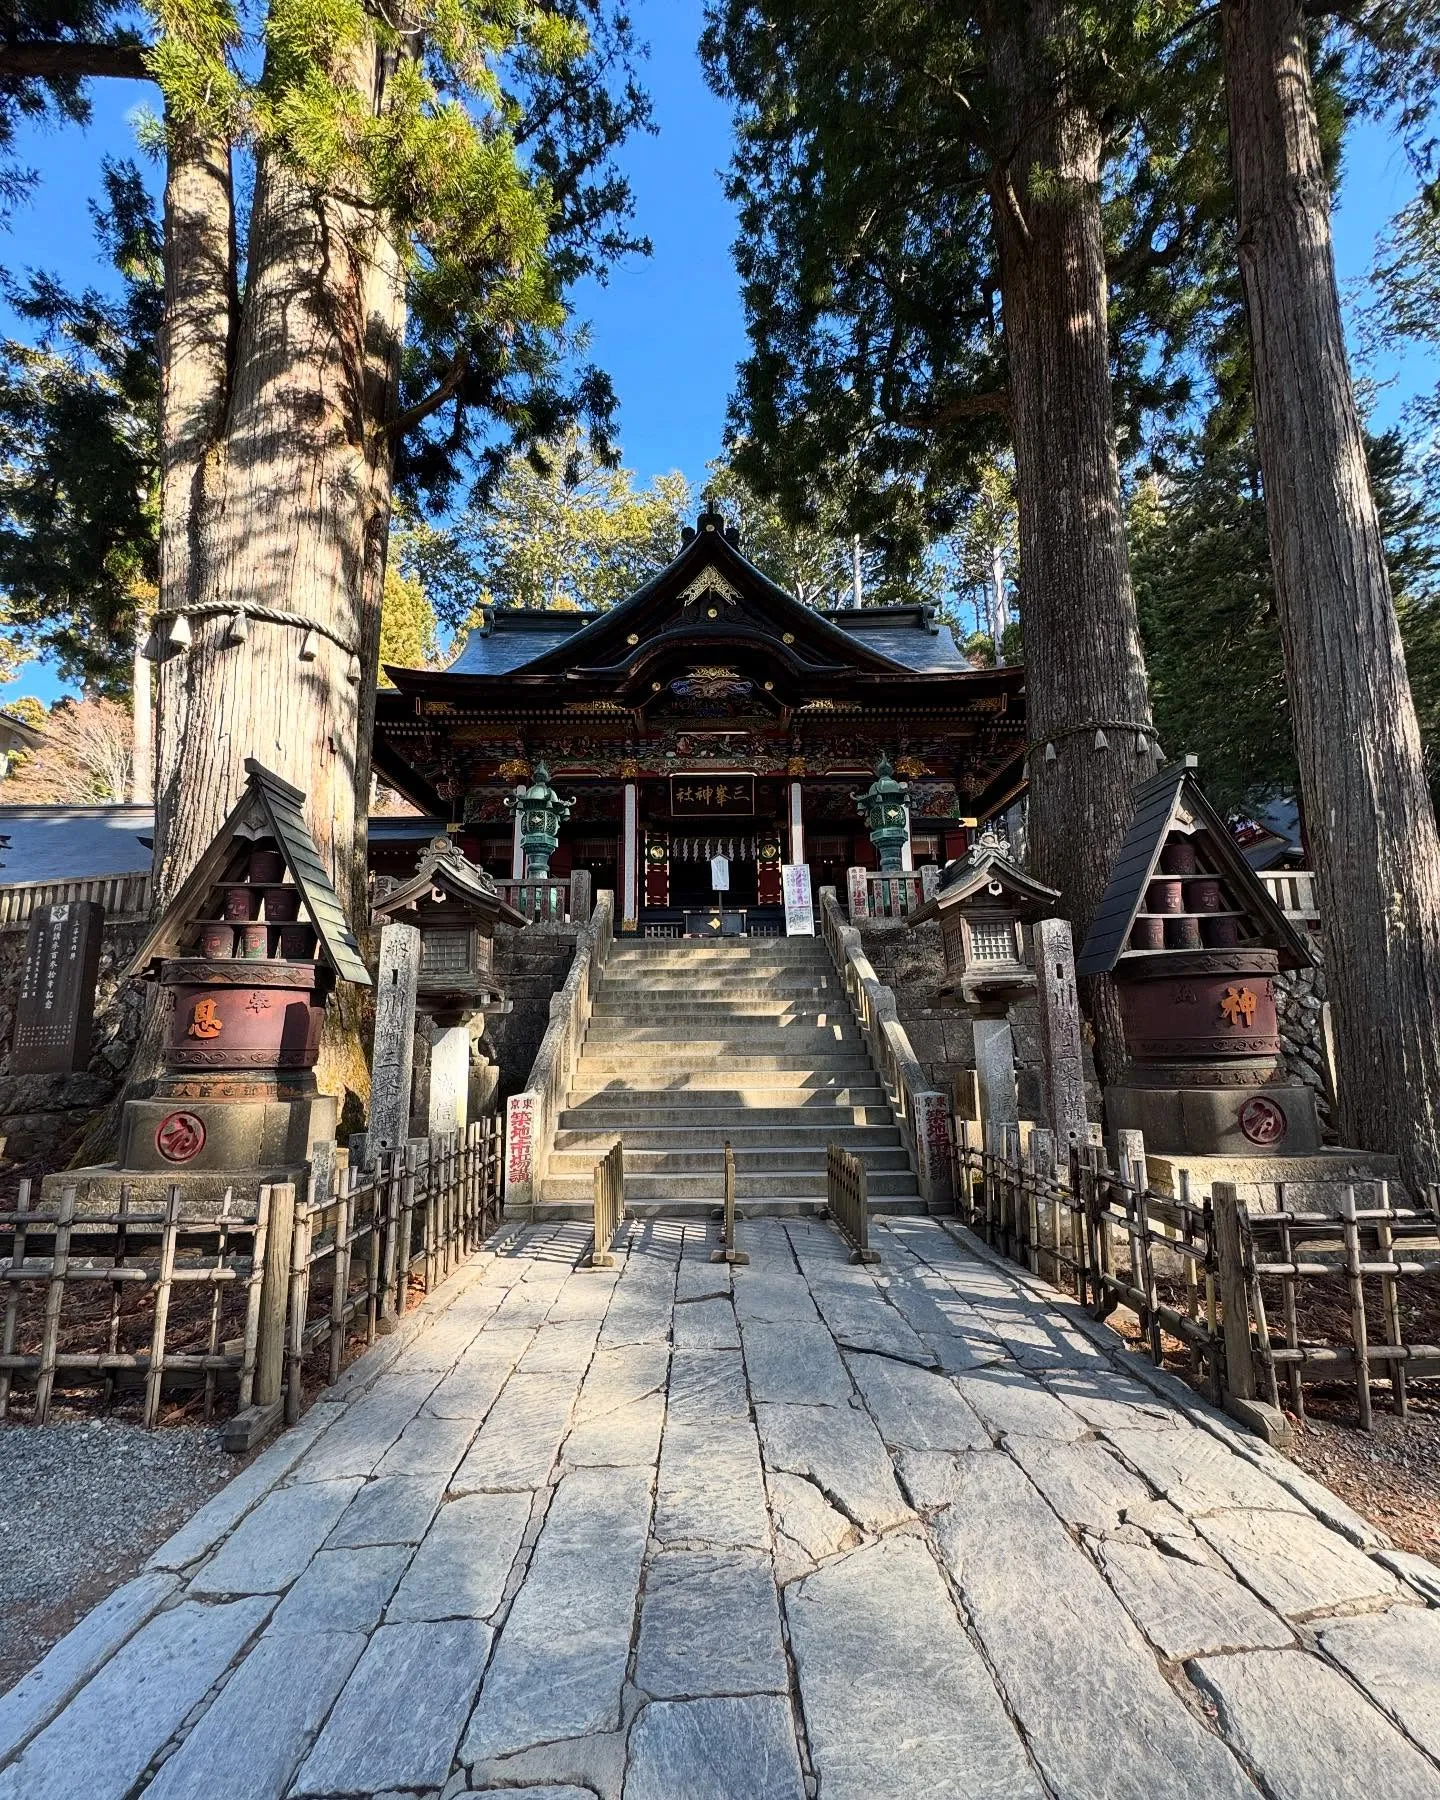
(54, 1300)
(1235, 1305)
(12, 1297)
(340, 1275)
(212, 1338)
(1358, 1330)
(275, 1295)
(117, 1288)
(1294, 1372)
(727, 1253)
(155, 1374)
(252, 1299)
(299, 1307)
(1390, 1305)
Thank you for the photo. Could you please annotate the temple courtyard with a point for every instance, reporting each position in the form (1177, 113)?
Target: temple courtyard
(670, 1531)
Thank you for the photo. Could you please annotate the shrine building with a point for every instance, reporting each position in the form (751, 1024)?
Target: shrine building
(711, 713)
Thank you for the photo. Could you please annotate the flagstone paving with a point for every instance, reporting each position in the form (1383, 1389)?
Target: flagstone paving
(793, 1531)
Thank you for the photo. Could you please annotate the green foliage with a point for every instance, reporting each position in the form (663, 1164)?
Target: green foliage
(408, 637)
(78, 527)
(559, 531)
(1205, 592)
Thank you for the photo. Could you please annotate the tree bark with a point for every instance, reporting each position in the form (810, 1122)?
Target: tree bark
(1085, 688)
(279, 474)
(1376, 853)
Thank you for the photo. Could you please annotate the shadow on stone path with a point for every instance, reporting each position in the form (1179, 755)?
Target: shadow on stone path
(664, 1533)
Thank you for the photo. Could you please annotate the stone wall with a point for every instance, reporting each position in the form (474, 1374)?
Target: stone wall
(1300, 996)
(912, 963)
(42, 1117)
(531, 966)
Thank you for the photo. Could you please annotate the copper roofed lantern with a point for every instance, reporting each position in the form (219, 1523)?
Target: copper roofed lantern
(456, 907)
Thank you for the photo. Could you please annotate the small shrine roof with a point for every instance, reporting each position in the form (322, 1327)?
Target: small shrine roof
(1173, 796)
(445, 867)
(267, 805)
(985, 864)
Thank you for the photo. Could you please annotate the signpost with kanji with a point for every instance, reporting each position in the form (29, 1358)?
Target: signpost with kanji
(57, 988)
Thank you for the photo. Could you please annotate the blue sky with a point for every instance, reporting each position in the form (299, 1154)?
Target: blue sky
(668, 328)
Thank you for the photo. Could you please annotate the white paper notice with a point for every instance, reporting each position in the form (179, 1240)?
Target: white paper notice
(799, 906)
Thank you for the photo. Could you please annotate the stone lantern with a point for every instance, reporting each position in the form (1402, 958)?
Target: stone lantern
(455, 907)
(882, 806)
(984, 904)
(541, 812)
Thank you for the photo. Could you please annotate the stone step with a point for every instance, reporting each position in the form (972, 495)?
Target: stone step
(661, 1189)
(715, 1087)
(719, 1057)
(711, 1139)
(660, 955)
(706, 1114)
(699, 1211)
(710, 1162)
(685, 1001)
(742, 1036)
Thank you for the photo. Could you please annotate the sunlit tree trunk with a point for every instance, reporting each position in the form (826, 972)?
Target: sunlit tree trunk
(1085, 688)
(1367, 803)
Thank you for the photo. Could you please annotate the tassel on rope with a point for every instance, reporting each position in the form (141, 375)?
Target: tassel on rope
(1101, 741)
(239, 627)
(310, 647)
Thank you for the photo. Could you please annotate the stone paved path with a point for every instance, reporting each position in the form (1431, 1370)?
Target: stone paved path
(655, 1533)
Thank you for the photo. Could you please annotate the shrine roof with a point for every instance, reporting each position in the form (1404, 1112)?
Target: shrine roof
(906, 634)
(709, 596)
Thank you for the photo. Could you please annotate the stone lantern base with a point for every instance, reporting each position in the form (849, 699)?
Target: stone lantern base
(1277, 1119)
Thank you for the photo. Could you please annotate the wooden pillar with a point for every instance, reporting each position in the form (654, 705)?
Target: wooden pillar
(517, 854)
(907, 855)
(630, 861)
(797, 824)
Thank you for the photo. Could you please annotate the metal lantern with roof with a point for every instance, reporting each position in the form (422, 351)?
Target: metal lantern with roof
(541, 812)
(984, 903)
(882, 806)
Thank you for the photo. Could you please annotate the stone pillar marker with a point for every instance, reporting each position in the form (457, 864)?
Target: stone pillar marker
(395, 987)
(1060, 1046)
(449, 1079)
(995, 1078)
(857, 893)
(56, 1007)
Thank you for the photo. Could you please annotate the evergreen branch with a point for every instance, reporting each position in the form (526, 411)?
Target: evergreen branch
(992, 403)
(124, 59)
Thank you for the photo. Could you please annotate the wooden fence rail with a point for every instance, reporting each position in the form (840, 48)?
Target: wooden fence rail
(847, 1193)
(1197, 1270)
(145, 1301)
(609, 1204)
(77, 1288)
(122, 896)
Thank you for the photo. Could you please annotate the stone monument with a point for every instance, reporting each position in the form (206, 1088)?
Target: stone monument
(56, 1007)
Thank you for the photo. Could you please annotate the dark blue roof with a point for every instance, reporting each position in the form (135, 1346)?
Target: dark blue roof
(72, 843)
(906, 634)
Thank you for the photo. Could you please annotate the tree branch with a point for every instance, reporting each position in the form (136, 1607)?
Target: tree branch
(411, 416)
(994, 402)
(125, 60)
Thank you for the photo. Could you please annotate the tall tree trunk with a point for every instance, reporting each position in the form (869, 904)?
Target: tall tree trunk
(1085, 685)
(289, 513)
(1362, 776)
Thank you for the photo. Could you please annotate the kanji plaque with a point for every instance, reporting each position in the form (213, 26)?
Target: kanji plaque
(57, 988)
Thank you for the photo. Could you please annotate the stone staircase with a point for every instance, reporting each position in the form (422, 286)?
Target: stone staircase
(691, 1044)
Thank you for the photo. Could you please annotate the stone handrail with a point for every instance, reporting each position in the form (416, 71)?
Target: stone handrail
(531, 1116)
(922, 1114)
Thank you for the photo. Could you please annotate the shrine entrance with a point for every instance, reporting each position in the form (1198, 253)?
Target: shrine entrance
(690, 867)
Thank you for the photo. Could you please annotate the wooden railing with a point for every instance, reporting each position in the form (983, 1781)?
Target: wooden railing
(130, 1298)
(609, 1205)
(557, 900)
(922, 1113)
(122, 896)
(847, 1198)
(1195, 1271)
(1293, 891)
(531, 1115)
